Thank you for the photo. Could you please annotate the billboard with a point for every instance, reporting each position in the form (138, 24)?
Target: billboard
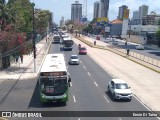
(105, 19)
(107, 29)
(126, 14)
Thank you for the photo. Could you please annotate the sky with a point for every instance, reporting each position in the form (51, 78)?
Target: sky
(63, 7)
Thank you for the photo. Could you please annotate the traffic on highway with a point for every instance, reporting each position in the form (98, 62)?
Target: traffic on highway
(83, 91)
(134, 47)
(91, 90)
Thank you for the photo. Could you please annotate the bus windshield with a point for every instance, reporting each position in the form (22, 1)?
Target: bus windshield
(53, 86)
(68, 43)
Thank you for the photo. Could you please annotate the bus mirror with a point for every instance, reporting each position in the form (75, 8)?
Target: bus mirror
(69, 80)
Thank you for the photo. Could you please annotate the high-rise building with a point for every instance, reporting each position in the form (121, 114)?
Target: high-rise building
(96, 9)
(62, 22)
(135, 15)
(135, 19)
(103, 8)
(143, 11)
(76, 11)
(121, 11)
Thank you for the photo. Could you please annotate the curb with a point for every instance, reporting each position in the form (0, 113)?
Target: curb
(3, 118)
(101, 47)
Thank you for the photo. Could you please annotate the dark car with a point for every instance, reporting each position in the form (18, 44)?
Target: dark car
(82, 50)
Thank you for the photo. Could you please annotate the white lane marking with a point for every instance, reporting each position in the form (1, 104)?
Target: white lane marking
(71, 84)
(144, 104)
(74, 98)
(84, 67)
(79, 119)
(89, 74)
(95, 83)
(105, 98)
(120, 119)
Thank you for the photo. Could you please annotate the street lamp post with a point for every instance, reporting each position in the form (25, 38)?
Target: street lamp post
(129, 32)
(33, 39)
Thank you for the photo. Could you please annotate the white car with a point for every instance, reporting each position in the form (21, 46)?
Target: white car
(119, 89)
(140, 47)
(115, 42)
(65, 36)
(107, 40)
(74, 60)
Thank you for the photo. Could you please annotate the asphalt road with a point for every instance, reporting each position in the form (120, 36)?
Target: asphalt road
(87, 93)
(149, 52)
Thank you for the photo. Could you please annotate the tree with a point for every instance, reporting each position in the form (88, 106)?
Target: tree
(11, 43)
(42, 20)
(21, 10)
(5, 16)
(68, 22)
(16, 22)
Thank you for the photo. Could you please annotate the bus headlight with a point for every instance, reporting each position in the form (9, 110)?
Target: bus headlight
(64, 95)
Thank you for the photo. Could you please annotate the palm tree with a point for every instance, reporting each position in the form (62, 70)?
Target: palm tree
(5, 17)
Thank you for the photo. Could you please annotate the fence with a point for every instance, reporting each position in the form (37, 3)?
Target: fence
(132, 54)
(138, 56)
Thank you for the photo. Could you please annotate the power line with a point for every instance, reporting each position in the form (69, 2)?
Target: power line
(14, 50)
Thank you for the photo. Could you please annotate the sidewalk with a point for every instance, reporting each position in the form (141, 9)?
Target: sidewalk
(21, 71)
(14, 71)
(143, 81)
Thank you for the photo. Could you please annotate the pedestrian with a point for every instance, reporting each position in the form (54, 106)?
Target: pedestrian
(128, 51)
(94, 42)
(79, 46)
(21, 58)
(125, 43)
(46, 39)
(16, 57)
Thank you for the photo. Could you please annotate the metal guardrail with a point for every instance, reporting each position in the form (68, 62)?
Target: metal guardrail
(132, 54)
(138, 56)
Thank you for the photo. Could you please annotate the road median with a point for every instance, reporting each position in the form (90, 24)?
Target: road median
(121, 53)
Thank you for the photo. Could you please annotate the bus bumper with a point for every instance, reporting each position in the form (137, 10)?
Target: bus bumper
(61, 98)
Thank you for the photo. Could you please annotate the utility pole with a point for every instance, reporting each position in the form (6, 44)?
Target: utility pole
(33, 39)
(129, 29)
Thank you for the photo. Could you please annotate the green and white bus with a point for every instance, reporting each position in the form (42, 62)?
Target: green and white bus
(54, 80)
(67, 43)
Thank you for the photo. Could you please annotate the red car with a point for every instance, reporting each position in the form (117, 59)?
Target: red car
(97, 37)
(82, 50)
